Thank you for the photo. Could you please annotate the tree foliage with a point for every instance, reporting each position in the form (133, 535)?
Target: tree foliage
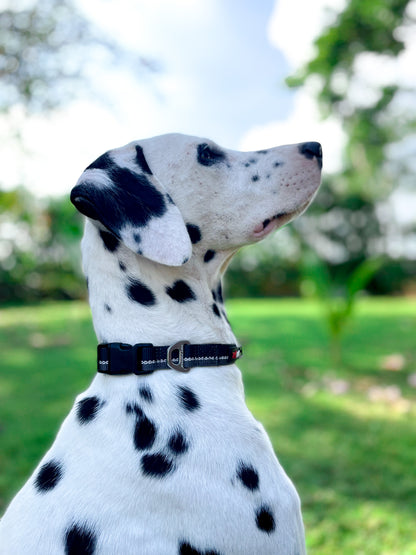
(39, 248)
(45, 49)
(45, 46)
(41, 51)
(347, 222)
(350, 221)
(371, 31)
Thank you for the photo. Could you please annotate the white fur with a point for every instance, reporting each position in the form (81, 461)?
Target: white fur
(202, 502)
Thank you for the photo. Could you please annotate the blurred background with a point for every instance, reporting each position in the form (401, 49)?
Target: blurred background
(80, 78)
(332, 370)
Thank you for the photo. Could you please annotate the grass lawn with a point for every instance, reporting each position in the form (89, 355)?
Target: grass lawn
(346, 435)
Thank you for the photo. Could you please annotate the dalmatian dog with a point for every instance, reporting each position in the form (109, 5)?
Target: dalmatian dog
(161, 456)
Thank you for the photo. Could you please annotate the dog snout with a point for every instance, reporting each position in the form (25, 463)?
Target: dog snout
(312, 150)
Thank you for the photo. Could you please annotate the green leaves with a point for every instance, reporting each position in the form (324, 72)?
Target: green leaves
(39, 248)
(367, 109)
(338, 302)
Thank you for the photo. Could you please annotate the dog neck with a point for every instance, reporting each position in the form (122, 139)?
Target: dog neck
(134, 300)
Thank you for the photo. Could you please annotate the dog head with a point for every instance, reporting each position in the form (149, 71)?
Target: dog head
(160, 195)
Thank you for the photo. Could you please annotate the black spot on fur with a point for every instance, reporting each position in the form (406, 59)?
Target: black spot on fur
(108, 308)
(140, 199)
(255, 178)
(219, 293)
(88, 408)
(137, 238)
(141, 160)
(146, 393)
(132, 408)
(265, 519)
(194, 233)
(209, 156)
(180, 292)
(215, 310)
(80, 540)
(186, 548)
(177, 443)
(131, 198)
(140, 293)
(122, 266)
(262, 151)
(111, 242)
(188, 398)
(277, 164)
(144, 433)
(48, 476)
(157, 465)
(209, 255)
(248, 476)
(103, 162)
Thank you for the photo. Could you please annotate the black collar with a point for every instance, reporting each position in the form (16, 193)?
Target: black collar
(118, 359)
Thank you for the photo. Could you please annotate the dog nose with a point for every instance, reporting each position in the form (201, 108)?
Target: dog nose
(312, 150)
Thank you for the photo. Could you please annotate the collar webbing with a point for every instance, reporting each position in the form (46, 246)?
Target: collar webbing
(118, 359)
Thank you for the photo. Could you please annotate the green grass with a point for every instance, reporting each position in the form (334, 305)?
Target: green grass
(345, 435)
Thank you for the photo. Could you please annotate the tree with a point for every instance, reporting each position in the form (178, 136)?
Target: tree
(39, 248)
(44, 47)
(346, 223)
(366, 32)
(353, 76)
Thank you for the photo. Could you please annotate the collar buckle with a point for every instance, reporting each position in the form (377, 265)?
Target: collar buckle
(124, 358)
(119, 359)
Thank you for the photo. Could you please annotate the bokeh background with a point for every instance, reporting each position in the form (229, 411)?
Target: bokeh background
(329, 311)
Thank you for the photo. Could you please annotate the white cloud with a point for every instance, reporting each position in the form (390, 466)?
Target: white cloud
(295, 24)
(372, 71)
(218, 77)
(292, 28)
(303, 124)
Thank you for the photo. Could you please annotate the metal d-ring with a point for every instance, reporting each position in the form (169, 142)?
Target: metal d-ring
(179, 346)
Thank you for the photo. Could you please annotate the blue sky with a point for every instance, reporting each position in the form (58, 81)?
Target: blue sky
(222, 76)
(240, 74)
(223, 65)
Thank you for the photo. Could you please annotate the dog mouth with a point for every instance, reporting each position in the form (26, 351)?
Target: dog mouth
(270, 224)
(276, 221)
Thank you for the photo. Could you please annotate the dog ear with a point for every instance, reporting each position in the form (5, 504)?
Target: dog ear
(120, 191)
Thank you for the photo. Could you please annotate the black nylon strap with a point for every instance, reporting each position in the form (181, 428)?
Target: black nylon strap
(119, 359)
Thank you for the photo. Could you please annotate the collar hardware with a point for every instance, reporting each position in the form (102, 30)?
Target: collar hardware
(118, 359)
(179, 346)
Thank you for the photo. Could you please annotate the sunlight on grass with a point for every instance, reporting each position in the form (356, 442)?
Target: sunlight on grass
(345, 435)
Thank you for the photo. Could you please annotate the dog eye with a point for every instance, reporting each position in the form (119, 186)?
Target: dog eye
(208, 156)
